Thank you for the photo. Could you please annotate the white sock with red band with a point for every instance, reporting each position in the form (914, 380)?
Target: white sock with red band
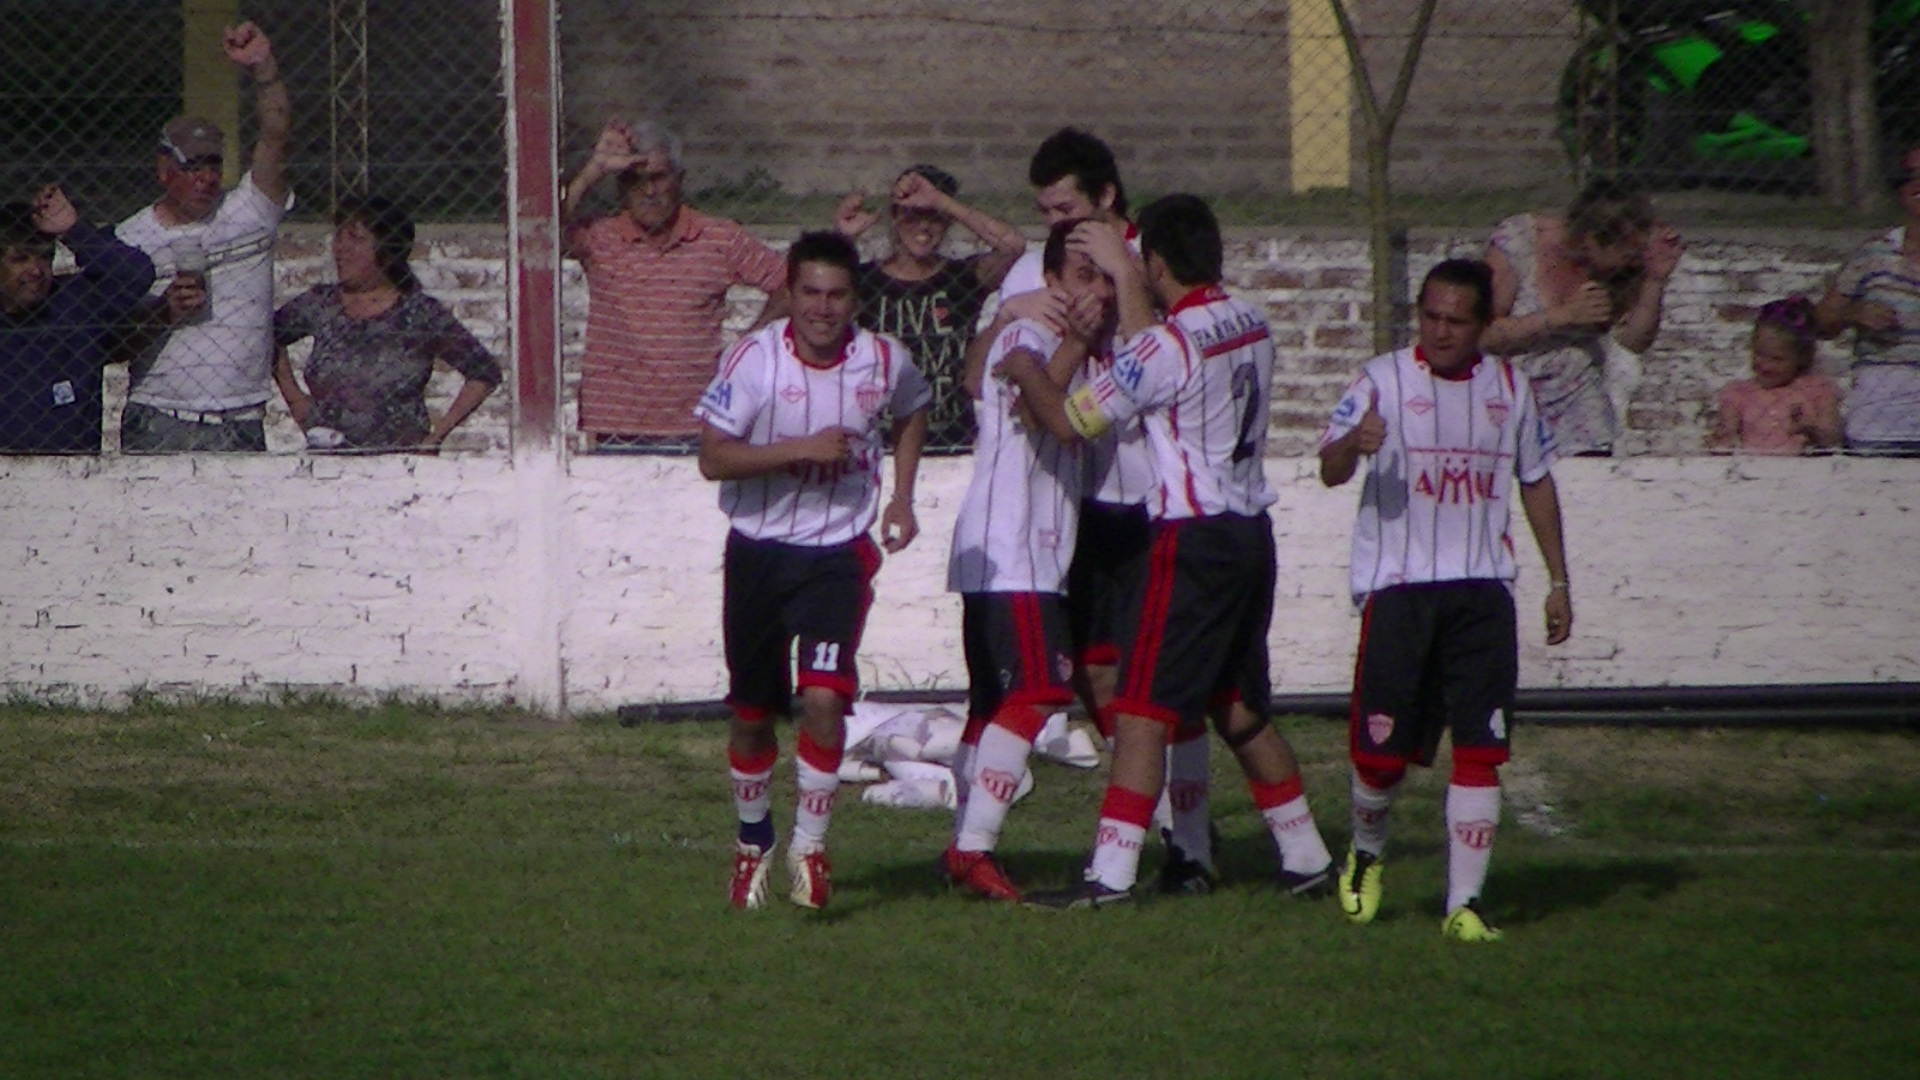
(817, 771)
(1473, 817)
(752, 777)
(1189, 764)
(998, 765)
(1373, 793)
(1284, 808)
(1124, 817)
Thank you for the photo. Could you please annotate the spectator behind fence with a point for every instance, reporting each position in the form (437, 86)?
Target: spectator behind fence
(1787, 407)
(55, 335)
(929, 301)
(1877, 294)
(375, 338)
(201, 378)
(657, 278)
(1569, 294)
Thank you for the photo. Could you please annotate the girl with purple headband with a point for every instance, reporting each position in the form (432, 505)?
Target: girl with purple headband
(1787, 407)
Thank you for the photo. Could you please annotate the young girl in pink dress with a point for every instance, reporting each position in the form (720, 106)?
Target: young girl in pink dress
(1786, 408)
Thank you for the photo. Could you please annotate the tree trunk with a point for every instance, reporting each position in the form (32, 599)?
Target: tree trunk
(1846, 138)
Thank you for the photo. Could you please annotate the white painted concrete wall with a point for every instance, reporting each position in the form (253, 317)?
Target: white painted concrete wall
(472, 578)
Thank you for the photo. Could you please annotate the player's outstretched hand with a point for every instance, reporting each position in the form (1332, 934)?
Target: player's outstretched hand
(1043, 306)
(1102, 246)
(247, 46)
(851, 217)
(827, 446)
(53, 212)
(1371, 432)
(1559, 616)
(898, 526)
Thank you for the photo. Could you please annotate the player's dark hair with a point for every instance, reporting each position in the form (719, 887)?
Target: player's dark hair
(1468, 274)
(17, 230)
(1075, 153)
(1609, 210)
(392, 233)
(822, 247)
(1053, 257)
(1182, 230)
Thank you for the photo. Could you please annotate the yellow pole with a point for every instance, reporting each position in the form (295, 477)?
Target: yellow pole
(209, 83)
(1320, 87)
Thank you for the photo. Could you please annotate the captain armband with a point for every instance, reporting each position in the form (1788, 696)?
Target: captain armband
(1083, 412)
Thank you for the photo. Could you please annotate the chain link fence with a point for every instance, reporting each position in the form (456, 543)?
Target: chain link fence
(783, 110)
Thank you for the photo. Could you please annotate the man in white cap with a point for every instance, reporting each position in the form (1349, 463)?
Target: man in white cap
(203, 376)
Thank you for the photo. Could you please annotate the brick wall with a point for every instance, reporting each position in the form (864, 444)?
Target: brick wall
(479, 579)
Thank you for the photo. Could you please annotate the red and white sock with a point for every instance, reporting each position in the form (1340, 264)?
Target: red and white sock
(817, 772)
(1189, 766)
(998, 765)
(752, 777)
(1473, 817)
(1124, 817)
(963, 769)
(1373, 793)
(1284, 807)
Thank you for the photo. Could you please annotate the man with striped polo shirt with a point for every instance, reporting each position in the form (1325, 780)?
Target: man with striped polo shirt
(790, 426)
(1012, 541)
(1198, 650)
(657, 278)
(1448, 431)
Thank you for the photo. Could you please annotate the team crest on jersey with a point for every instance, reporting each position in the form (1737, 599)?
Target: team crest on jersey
(1497, 410)
(793, 395)
(1379, 728)
(870, 396)
(1420, 406)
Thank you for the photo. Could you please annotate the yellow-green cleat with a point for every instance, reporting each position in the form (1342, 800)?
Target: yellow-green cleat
(1359, 887)
(1465, 924)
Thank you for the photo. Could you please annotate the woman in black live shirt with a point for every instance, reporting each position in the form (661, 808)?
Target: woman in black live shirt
(927, 300)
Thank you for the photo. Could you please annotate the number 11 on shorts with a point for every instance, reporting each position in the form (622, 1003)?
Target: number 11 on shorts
(826, 656)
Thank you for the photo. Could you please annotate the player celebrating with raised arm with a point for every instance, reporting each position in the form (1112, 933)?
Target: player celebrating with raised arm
(1011, 543)
(1199, 621)
(1448, 431)
(790, 427)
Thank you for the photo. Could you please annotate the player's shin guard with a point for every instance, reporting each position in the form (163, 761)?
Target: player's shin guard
(1188, 764)
(1373, 793)
(998, 765)
(1284, 808)
(817, 772)
(1473, 816)
(752, 795)
(1124, 817)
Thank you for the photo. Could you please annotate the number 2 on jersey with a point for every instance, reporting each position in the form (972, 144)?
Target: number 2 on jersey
(1246, 394)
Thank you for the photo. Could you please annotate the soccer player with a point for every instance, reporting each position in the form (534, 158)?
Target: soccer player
(1198, 382)
(1448, 431)
(790, 427)
(1011, 544)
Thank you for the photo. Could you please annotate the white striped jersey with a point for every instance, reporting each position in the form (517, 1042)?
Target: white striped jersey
(1437, 502)
(764, 393)
(1199, 384)
(1016, 527)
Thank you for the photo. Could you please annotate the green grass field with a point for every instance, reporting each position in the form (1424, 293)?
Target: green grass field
(312, 891)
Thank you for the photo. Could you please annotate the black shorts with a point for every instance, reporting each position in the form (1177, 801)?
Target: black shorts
(774, 593)
(1435, 657)
(1109, 557)
(1016, 648)
(1199, 621)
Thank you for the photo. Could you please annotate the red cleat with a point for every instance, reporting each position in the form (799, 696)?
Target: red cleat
(979, 873)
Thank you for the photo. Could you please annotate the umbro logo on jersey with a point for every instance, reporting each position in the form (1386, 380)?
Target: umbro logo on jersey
(793, 395)
(1420, 406)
